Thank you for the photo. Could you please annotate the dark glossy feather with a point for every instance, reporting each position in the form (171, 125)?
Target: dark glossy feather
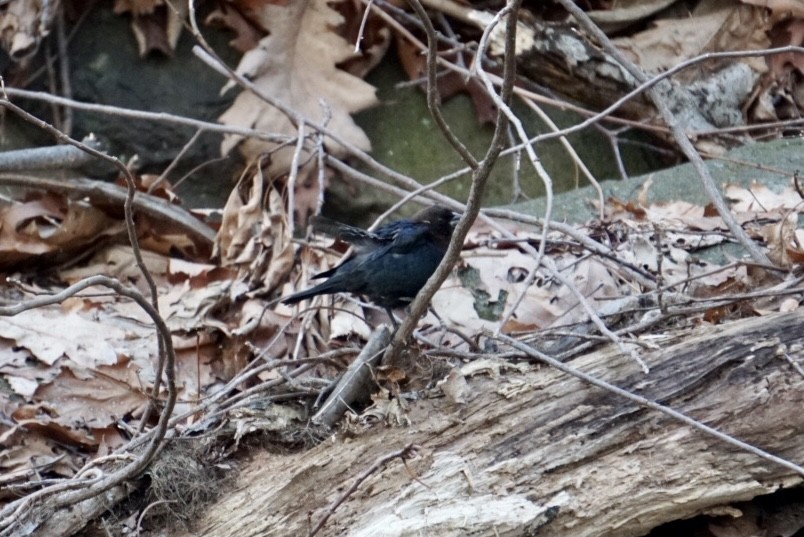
(391, 264)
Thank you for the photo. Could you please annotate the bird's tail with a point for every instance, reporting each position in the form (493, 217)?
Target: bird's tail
(320, 289)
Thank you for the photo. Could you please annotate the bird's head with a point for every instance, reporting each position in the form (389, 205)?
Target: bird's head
(441, 220)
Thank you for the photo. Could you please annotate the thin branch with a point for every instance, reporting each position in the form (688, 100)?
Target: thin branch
(142, 115)
(433, 98)
(175, 162)
(572, 153)
(355, 382)
(54, 157)
(292, 178)
(405, 453)
(64, 69)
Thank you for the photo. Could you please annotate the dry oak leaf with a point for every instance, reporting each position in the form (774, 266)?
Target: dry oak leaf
(95, 399)
(89, 341)
(297, 65)
(235, 17)
(794, 8)
(670, 41)
(759, 198)
(50, 224)
(23, 24)
(253, 239)
(154, 30)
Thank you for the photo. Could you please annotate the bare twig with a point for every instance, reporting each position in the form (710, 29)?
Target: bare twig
(593, 316)
(292, 178)
(405, 453)
(64, 69)
(794, 363)
(362, 27)
(54, 157)
(571, 152)
(142, 115)
(175, 162)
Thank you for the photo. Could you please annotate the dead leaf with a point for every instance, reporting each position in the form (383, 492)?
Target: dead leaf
(242, 214)
(117, 261)
(156, 26)
(760, 198)
(670, 41)
(185, 309)
(23, 24)
(794, 8)
(788, 304)
(49, 224)
(50, 334)
(137, 7)
(27, 453)
(230, 15)
(39, 420)
(348, 321)
(787, 33)
(256, 240)
(95, 400)
(450, 83)
(622, 14)
(780, 238)
(296, 64)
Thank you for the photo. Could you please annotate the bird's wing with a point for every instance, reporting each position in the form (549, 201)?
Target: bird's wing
(394, 239)
(401, 237)
(407, 236)
(346, 233)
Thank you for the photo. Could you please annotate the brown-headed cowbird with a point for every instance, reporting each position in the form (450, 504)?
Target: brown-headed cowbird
(389, 266)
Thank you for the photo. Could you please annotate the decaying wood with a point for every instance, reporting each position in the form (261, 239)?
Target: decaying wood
(561, 56)
(563, 59)
(535, 451)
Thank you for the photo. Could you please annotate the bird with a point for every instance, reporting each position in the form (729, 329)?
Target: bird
(390, 265)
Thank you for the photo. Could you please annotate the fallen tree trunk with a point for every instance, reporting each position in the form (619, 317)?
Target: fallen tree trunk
(536, 451)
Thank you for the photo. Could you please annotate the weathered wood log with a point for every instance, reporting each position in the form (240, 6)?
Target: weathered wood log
(538, 452)
(562, 56)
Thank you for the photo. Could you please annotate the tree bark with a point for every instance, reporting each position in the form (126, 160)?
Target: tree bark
(537, 452)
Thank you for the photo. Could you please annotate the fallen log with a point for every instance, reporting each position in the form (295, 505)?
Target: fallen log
(535, 451)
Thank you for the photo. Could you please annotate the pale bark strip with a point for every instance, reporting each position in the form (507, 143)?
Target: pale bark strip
(358, 382)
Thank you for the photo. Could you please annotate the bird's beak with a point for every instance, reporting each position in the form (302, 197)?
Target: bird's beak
(455, 218)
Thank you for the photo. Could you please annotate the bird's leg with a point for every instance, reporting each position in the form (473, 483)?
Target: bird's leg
(443, 328)
(453, 330)
(432, 310)
(393, 319)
